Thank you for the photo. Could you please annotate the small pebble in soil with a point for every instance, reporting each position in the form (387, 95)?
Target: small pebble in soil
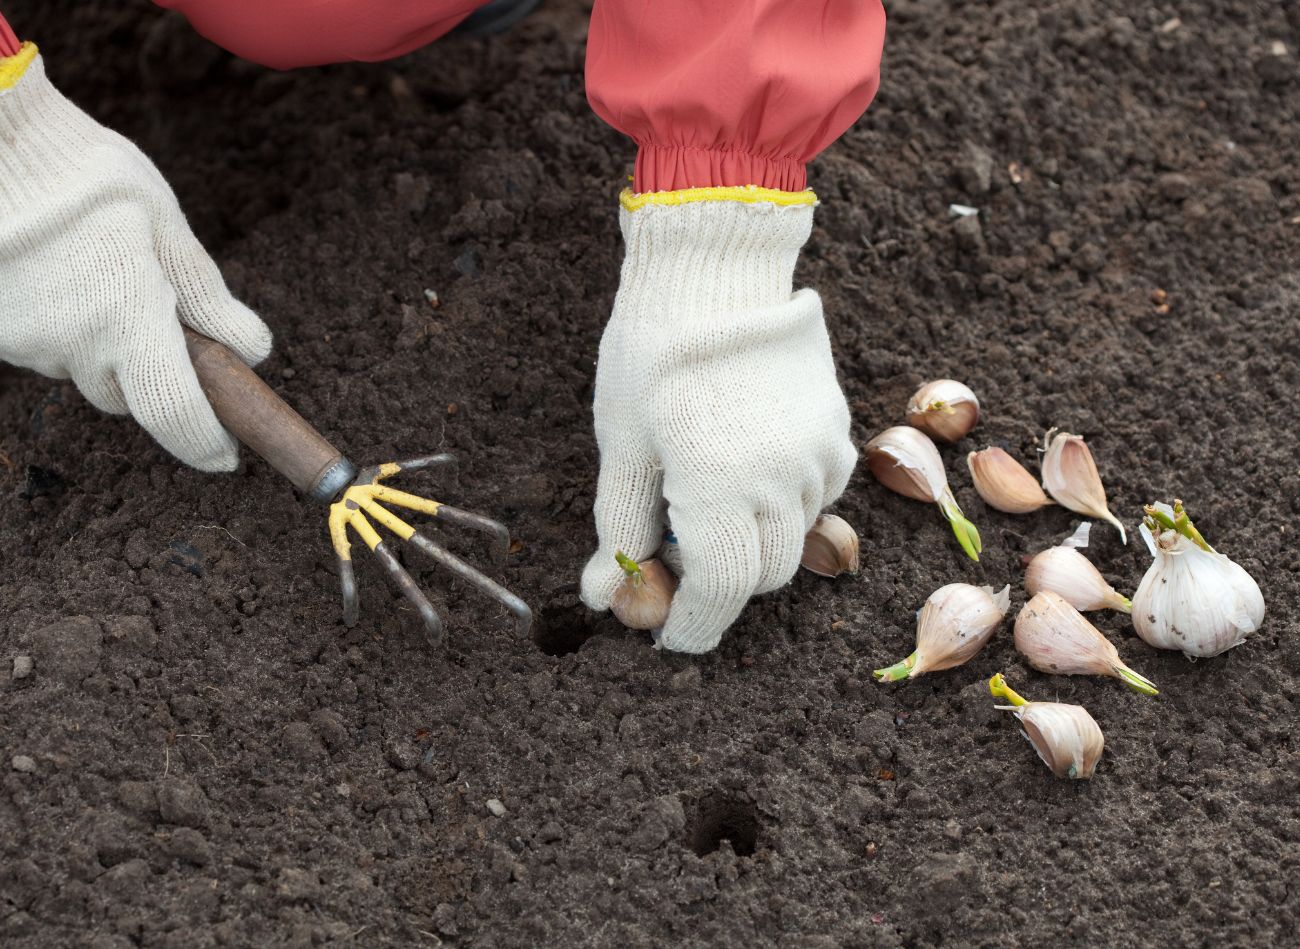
(496, 807)
(23, 666)
(23, 763)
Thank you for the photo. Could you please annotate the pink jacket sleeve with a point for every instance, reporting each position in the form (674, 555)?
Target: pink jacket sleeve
(742, 92)
(286, 34)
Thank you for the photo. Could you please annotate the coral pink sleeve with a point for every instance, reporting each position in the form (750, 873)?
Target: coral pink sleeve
(286, 34)
(9, 44)
(742, 92)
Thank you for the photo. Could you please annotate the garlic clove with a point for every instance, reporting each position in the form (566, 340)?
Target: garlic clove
(644, 597)
(1070, 477)
(906, 461)
(831, 547)
(1066, 737)
(1065, 571)
(951, 627)
(1004, 483)
(944, 409)
(1192, 598)
(1055, 638)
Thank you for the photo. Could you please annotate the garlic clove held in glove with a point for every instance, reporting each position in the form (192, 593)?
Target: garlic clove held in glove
(1055, 638)
(953, 625)
(906, 461)
(1065, 571)
(1070, 477)
(644, 597)
(1003, 482)
(1066, 737)
(944, 409)
(1193, 598)
(831, 547)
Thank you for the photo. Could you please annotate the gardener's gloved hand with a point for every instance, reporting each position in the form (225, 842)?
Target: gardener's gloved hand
(715, 389)
(98, 269)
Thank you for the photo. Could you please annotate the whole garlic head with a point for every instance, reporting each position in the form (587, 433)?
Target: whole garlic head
(1193, 598)
(944, 409)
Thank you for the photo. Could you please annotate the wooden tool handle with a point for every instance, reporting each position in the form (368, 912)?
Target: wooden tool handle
(265, 423)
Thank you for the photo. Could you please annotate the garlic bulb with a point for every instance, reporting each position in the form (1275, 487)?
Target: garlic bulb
(1055, 638)
(953, 625)
(1004, 483)
(1066, 737)
(944, 409)
(1070, 477)
(1192, 598)
(904, 460)
(643, 598)
(831, 547)
(1065, 571)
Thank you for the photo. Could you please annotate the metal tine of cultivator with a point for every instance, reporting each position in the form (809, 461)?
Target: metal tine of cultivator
(517, 607)
(497, 532)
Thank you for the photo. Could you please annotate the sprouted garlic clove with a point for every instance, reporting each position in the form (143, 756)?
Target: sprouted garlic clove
(1192, 598)
(644, 597)
(951, 627)
(1003, 482)
(831, 547)
(944, 409)
(1065, 571)
(1070, 477)
(906, 461)
(1066, 737)
(1055, 638)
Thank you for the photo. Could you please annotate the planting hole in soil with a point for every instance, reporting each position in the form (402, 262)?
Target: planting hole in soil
(564, 624)
(720, 815)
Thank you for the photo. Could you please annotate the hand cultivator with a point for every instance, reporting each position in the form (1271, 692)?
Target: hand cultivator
(265, 423)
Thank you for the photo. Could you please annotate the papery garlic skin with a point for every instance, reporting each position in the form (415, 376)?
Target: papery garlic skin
(831, 547)
(944, 409)
(1070, 477)
(951, 627)
(1066, 737)
(1065, 571)
(906, 461)
(1055, 638)
(1194, 600)
(1003, 482)
(644, 597)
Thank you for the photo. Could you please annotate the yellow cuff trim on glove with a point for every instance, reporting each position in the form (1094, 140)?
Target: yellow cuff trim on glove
(746, 194)
(13, 67)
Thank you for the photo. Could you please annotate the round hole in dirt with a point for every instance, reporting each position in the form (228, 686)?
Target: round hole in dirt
(720, 815)
(564, 624)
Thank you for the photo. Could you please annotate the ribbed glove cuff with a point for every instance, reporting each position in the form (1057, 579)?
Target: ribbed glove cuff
(42, 136)
(702, 260)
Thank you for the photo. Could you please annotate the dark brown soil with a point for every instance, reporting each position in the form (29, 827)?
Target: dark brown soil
(217, 761)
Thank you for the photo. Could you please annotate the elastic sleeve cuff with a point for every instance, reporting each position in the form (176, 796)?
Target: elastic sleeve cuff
(677, 167)
(13, 67)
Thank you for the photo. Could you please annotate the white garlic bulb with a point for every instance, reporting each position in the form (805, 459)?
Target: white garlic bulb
(1066, 737)
(906, 461)
(831, 547)
(944, 409)
(644, 597)
(1070, 477)
(1055, 638)
(1003, 482)
(1193, 598)
(1065, 571)
(953, 625)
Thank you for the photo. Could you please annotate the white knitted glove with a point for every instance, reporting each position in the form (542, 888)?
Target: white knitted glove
(98, 268)
(715, 390)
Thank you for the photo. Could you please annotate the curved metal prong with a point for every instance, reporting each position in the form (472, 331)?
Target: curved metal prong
(499, 534)
(351, 602)
(443, 459)
(522, 614)
(409, 588)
